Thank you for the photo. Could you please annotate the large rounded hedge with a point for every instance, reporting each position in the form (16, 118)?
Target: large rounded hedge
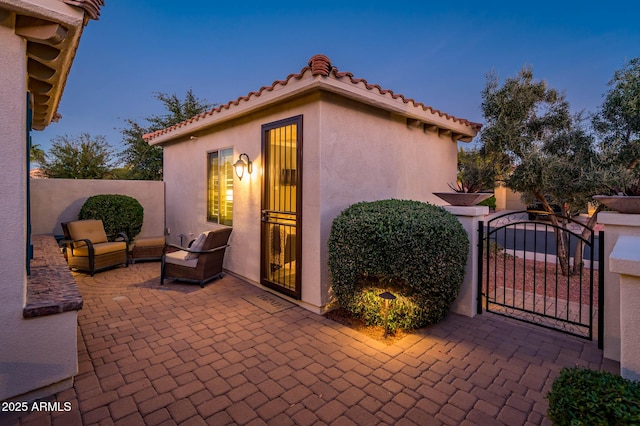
(119, 213)
(416, 250)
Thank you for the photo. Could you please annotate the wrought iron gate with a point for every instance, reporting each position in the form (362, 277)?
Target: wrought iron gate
(546, 272)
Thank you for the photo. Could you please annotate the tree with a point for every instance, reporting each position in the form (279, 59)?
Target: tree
(144, 161)
(81, 157)
(553, 159)
(478, 170)
(618, 125)
(36, 154)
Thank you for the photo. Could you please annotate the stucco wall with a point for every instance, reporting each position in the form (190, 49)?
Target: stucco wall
(54, 201)
(615, 225)
(185, 176)
(506, 199)
(41, 351)
(37, 353)
(351, 153)
(367, 155)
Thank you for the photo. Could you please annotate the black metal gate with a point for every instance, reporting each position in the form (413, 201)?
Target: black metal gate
(542, 271)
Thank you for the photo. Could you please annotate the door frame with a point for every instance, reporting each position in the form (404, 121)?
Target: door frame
(264, 234)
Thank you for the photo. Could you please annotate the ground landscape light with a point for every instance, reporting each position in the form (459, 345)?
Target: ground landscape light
(387, 297)
(240, 166)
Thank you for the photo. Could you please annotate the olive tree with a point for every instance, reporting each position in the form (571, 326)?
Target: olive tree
(552, 157)
(617, 123)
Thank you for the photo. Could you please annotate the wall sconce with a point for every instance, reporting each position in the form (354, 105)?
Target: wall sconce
(240, 165)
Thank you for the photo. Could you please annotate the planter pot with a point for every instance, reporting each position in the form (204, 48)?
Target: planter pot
(620, 203)
(463, 198)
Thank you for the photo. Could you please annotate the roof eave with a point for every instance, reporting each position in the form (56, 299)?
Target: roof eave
(308, 83)
(52, 31)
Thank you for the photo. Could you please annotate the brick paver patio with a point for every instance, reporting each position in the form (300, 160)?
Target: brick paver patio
(179, 354)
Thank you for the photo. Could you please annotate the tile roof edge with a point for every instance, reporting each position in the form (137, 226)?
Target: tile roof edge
(319, 65)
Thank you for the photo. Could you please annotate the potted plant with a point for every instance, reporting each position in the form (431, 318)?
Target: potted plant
(463, 195)
(625, 200)
(475, 172)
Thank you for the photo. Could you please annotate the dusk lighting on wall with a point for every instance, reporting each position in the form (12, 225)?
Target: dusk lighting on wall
(240, 166)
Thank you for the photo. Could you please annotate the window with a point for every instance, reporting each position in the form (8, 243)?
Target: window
(220, 187)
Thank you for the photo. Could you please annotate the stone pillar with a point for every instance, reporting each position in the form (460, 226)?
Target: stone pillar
(625, 260)
(469, 217)
(615, 226)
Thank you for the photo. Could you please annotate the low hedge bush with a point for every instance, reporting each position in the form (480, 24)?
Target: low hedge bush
(119, 213)
(416, 250)
(580, 396)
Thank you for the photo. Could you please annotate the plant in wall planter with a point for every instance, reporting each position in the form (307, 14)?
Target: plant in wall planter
(626, 201)
(463, 194)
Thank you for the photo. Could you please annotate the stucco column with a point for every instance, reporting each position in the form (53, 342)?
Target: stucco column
(625, 260)
(615, 226)
(469, 217)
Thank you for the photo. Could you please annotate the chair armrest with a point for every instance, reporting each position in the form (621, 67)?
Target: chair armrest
(195, 251)
(86, 241)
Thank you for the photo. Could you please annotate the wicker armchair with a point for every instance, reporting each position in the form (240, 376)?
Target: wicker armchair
(199, 263)
(89, 250)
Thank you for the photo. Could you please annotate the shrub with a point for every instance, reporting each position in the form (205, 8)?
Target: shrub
(416, 250)
(581, 396)
(489, 202)
(119, 213)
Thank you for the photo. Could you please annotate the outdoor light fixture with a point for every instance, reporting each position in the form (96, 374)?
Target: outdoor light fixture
(240, 165)
(386, 296)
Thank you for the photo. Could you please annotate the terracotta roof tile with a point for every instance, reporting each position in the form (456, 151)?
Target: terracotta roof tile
(91, 7)
(318, 65)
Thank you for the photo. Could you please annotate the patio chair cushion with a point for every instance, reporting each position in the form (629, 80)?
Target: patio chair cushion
(181, 258)
(150, 241)
(91, 229)
(99, 249)
(197, 245)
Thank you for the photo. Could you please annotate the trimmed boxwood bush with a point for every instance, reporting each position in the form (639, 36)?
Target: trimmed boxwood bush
(119, 213)
(416, 250)
(580, 396)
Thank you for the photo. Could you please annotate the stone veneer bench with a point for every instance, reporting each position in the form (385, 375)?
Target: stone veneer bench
(51, 289)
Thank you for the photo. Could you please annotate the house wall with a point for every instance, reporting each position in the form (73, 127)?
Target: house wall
(185, 176)
(54, 201)
(351, 153)
(366, 155)
(41, 351)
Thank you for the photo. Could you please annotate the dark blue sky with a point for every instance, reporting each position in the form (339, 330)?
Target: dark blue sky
(435, 52)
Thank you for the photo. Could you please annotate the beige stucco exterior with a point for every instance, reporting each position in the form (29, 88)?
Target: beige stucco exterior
(39, 352)
(359, 144)
(507, 199)
(54, 201)
(616, 225)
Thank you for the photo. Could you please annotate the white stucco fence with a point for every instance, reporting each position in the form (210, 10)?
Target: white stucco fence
(54, 201)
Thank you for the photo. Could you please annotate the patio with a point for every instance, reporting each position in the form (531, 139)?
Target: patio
(178, 354)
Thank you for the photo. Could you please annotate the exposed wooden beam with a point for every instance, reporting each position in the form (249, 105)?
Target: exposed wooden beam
(430, 127)
(42, 52)
(444, 132)
(39, 30)
(412, 122)
(37, 86)
(39, 70)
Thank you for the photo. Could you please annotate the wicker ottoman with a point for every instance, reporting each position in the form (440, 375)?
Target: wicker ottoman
(149, 248)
